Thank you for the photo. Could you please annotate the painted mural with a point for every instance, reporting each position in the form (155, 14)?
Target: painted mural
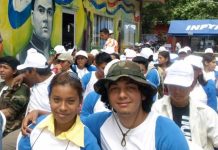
(23, 25)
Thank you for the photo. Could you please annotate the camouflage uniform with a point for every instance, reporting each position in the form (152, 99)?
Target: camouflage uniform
(14, 101)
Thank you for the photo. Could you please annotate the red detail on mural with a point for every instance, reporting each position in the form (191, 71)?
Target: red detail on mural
(113, 4)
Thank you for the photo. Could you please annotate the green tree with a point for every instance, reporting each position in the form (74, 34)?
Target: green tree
(153, 13)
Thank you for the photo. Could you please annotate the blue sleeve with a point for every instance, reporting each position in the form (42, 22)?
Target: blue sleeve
(210, 90)
(85, 80)
(91, 68)
(94, 123)
(168, 136)
(89, 104)
(73, 68)
(90, 141)
(24, 142)
(153, 77)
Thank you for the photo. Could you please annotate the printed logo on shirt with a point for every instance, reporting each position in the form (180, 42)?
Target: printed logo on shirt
(185, 127)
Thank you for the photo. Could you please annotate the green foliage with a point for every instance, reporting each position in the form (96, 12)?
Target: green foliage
(154, 13)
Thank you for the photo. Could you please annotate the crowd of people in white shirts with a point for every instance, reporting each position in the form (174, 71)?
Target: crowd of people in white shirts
(186, 86)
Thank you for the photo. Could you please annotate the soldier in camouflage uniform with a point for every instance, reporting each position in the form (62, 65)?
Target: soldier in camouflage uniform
(13, 101)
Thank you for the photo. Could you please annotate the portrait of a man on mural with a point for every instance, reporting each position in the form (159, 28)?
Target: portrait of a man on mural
(42, 12)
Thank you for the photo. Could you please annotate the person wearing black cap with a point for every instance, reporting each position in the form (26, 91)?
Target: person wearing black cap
(13, 101)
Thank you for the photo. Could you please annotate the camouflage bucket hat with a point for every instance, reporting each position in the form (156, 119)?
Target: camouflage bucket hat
(125, 69)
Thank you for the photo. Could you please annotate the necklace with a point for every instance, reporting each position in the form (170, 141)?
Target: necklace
(123, 141)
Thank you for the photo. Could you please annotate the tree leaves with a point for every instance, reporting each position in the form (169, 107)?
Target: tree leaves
(153, 13)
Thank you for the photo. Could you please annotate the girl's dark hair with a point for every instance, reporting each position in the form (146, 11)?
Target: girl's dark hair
(166, 54)
(146, 103)
(64, 78)
(208, 57)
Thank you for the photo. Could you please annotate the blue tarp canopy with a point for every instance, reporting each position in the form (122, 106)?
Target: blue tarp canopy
(193, 28)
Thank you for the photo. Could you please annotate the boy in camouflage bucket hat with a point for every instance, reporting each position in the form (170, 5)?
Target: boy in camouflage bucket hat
(131, 70)
(130, 124)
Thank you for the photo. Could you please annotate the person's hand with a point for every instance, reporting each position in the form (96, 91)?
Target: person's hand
(18, 80)
(30, 118)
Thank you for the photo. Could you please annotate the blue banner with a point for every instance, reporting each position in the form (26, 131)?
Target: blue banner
(193, 28)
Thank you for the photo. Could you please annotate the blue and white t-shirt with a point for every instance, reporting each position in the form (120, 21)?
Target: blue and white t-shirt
(156, 132)
(42, 137)
(92, 104)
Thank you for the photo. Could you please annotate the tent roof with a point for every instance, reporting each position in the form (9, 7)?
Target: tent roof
(193, 27)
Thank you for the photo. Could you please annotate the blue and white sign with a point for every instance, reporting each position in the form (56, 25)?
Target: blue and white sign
(193, 27)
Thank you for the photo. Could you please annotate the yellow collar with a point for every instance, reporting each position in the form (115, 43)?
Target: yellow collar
(75, 134)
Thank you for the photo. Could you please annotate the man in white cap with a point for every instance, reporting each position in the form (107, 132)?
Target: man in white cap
(188, 49)
(208, 50)
(59, 49)
(38, 75)
(197, 121)
(182, 53)
(65, 60)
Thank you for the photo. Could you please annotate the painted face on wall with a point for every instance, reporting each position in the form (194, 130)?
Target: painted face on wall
(42, 18)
